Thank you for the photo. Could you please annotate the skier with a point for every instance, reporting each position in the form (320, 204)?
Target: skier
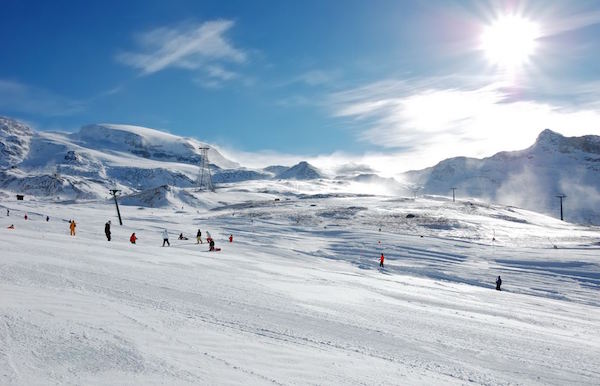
(182, 237)
(7, 212)
(165, 236)
(47, 218)
(11, 226)
(211, 243)
(498, 283)
(199, 237)
(72, 226)
(231, 238)
(25, 216)
(133, 238)
(381, 260)
(107, 230)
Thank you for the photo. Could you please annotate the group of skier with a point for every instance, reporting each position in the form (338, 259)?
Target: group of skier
(209, 239)
(165, 237)
(26, 217)
(211, 243)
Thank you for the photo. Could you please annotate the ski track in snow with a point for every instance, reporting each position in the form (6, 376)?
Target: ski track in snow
(298, 297)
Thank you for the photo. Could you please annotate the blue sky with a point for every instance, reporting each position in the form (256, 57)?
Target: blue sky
(403, 83)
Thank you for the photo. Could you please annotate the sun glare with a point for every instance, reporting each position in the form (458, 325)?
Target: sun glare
(510, 41)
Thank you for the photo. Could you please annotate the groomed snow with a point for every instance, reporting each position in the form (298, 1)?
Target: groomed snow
(298, 297)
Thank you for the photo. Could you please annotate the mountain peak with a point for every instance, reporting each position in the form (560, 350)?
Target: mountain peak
(301, 171)
(9, 126)
(15, 138)
(549, 136)
(551, 140)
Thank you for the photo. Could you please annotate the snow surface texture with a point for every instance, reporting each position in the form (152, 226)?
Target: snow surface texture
(298, 297)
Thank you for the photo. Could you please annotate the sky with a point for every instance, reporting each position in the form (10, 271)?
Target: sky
(385, 85)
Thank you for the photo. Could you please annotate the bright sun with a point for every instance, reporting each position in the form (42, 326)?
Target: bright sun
(510, 41)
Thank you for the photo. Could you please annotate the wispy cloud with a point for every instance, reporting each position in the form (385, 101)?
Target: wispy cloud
(571, 23)
(426, 123)
(215, 77)
(312, 78)
(16, 97)
(337, 163)
(218, 72)
(201, 46)
(317, 77)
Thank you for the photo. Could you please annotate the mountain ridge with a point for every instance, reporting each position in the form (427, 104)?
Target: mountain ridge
(528, 178)
(134, 159)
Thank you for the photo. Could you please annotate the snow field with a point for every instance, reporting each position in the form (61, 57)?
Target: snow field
(298, 298)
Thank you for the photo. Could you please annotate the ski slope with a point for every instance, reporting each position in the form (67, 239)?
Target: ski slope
(298, 297)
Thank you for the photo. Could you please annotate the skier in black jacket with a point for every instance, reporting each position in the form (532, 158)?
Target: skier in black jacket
(498, 283)
(107, 230)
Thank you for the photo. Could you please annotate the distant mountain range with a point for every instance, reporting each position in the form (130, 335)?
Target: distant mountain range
(150, 166)
(83, 165)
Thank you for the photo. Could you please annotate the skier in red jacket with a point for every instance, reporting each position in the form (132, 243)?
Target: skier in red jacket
(133, 238)
(381, 260)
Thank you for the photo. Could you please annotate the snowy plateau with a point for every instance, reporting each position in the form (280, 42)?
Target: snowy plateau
(298, 296)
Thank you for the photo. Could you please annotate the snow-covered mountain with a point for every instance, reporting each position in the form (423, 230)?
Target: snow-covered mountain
(142, 161)
(300, 171)
(276, 169)
(14, 142)
(84, 164)
(530, 178)
(147, 143)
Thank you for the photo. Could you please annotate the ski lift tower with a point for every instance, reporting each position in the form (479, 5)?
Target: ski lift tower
(205, 179)
(561, 196)
(114, 193)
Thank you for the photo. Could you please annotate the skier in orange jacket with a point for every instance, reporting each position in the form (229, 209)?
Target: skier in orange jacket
(72, 227)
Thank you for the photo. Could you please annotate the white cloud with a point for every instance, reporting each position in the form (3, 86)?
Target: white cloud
(384, 164)
(428, 124)
(17, 97)
(260, 159)
(191, 47)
